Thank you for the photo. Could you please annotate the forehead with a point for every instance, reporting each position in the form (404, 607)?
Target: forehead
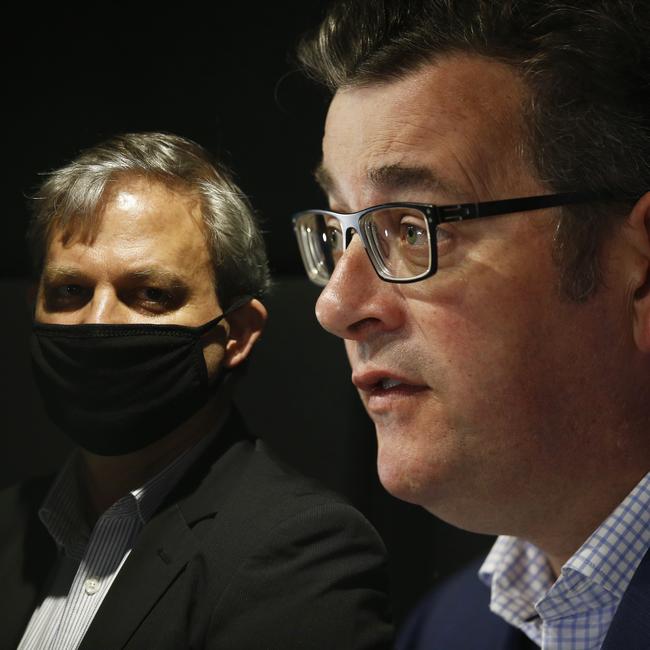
(458, 118)
(141, 222)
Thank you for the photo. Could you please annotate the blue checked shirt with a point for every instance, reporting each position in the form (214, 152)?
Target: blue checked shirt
(575, 611)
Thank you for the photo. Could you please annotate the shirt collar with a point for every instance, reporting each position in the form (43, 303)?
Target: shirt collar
(522, 583)
(612, 554)
(62, 510)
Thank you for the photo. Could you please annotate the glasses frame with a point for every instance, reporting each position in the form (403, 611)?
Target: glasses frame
(436, 215)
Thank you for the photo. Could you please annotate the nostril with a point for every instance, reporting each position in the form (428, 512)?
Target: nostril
(360, 328)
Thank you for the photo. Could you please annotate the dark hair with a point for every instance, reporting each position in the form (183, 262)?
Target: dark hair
(72, 197)
(586, 66)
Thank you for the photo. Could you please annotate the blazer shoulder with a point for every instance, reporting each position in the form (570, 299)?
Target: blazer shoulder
(289, 557)
(271, 499)
(281, 479)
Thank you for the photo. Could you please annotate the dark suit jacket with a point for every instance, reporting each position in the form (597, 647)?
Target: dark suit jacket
(457, 616)
(244, 554)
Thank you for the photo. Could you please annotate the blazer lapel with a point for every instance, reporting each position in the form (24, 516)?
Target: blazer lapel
(630, 628)
(167, 542)
(163, 549)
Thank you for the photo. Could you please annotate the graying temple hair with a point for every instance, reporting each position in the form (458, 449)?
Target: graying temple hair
(72, 197)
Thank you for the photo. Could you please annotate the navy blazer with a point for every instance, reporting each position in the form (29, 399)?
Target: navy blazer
(457, 616)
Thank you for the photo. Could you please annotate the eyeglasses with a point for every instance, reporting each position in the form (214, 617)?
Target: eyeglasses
(400, 238)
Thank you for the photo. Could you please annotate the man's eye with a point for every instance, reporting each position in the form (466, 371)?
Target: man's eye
(155, 295)
(66, 292)
(71, 290)
(154, 299)
(334, 237)
(65, 297)
(414, 233)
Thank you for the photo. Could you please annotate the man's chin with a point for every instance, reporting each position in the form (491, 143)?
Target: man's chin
(400, 475)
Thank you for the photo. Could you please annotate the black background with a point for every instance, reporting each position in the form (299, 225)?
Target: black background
(221, 74)
(218, 73)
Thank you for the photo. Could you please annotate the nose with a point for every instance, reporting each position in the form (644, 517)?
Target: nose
(104, 308)
(355, 302)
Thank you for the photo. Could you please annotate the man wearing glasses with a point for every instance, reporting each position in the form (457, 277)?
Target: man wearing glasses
(486, 258)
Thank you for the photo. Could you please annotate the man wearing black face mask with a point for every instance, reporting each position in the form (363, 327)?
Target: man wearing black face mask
(169, 527)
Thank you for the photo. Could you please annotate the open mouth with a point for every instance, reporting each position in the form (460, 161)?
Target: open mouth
(388, 386)
(385, 391)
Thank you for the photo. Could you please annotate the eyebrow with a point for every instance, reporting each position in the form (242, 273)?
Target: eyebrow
(324, 179)
(403, 177)
(61, 274)
(396, 178)
(53, 274)
(161, 276)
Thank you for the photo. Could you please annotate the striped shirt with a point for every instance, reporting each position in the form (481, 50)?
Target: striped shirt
(575, 611)
(89, 560)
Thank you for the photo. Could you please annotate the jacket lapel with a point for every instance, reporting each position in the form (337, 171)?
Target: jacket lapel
(167, 542)
(163, 549)
(630, 628)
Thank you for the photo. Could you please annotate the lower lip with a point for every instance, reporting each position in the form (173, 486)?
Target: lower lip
(384, 399)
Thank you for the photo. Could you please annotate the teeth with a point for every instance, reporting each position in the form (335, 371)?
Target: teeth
(389, 383)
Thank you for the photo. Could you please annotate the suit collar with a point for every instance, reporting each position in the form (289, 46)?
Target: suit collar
(165, 546)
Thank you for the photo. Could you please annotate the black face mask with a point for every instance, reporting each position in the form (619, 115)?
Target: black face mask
(115, 389)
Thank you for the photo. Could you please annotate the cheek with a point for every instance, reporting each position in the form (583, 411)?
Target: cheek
(480, 361)
(213, 354)
(489, 367)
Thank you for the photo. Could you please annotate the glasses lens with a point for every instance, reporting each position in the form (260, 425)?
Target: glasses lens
(321, 244)
(398, 238)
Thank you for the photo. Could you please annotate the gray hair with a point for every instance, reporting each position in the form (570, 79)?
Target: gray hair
(72, 197)
(586, 64)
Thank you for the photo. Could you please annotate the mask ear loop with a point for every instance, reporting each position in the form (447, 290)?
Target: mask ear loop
(224, 376)
(239, 302)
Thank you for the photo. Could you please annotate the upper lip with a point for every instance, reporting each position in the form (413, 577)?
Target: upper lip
(369, 379)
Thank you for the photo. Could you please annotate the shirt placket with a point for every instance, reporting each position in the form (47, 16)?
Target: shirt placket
(108, 548)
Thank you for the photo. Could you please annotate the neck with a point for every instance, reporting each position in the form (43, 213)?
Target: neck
(605, 455)
(584, 516)
(106, 479)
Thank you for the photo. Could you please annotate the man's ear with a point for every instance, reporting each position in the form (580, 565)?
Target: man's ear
(638, 232)
(246, 325)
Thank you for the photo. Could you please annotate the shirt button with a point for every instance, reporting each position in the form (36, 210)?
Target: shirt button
(91, 586)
